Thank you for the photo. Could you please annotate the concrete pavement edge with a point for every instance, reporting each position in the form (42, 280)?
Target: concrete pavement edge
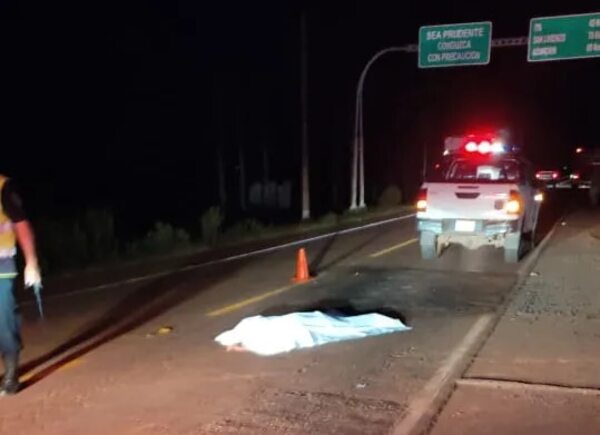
(423, 410)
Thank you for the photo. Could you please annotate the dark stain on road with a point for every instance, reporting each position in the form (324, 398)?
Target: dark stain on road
(316, 265)
(334, 307)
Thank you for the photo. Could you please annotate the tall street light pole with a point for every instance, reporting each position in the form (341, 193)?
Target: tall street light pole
(357, 197)
(304, 133)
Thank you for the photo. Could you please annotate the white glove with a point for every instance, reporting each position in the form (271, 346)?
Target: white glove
(32, 275)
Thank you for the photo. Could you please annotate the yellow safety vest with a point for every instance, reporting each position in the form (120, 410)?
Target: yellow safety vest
(7, 240)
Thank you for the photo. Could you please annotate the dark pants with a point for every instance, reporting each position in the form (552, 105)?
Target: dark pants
(10, 337)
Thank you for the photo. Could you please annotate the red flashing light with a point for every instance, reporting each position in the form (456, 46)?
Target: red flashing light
(484, 147)
(471, 147)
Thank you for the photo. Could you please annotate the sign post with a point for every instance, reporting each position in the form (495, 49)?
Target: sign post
(564, 37)
(455, 44)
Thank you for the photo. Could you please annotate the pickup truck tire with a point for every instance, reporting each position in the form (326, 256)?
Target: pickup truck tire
(513, 248)
(529, 242)
(429, 245)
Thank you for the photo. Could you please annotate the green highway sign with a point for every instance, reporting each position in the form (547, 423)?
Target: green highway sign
(455, 44)
(564, 37)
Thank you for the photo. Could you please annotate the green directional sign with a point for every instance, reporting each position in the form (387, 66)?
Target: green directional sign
(564, 37)
(455, 44)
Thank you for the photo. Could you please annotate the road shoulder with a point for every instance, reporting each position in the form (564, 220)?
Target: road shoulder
(539, 368)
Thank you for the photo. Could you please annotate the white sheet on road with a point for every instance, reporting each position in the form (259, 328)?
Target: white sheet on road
(276, 334)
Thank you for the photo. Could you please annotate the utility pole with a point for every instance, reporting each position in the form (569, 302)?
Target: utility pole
(304, 103)
(265, 161)
(242, 176)
(221, 176)
(241, 160)
(220, 121)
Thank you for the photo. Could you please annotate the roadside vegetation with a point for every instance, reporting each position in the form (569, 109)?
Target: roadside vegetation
(90, 237)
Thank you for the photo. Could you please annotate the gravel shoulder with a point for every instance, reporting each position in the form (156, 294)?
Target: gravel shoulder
(539, 371)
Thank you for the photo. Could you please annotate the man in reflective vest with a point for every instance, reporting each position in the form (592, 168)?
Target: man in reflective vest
(14, 228)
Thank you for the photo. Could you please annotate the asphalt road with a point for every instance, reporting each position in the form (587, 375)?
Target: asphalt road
(98, 365)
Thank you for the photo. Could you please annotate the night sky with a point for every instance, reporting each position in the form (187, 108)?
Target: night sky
(122, 104)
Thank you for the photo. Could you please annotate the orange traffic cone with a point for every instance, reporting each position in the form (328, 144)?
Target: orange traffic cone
(302, 273)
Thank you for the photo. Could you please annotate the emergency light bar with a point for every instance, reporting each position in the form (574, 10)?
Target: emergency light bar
(485, 147)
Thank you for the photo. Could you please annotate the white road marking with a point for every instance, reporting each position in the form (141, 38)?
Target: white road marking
(225, 259)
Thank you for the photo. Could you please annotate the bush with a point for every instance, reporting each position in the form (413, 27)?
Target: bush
(254, 227)
(77, 241)
(210, 223)
(329, 219)
(390, 197)
(246, 228)
(163, 238)
(353, 215)
(99, 228)
(62, 244)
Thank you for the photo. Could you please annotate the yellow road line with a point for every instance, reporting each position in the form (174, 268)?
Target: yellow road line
(27, 376)
(249, 301)
(393, 248)
(68, 365)
(237, 305)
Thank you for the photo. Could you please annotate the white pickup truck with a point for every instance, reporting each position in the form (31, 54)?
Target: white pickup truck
(482, 194)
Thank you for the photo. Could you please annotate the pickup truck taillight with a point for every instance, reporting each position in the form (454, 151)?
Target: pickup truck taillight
(422, 200)
(514, 205)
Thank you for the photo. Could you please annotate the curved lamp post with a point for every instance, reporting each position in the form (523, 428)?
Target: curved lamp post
(358, 162)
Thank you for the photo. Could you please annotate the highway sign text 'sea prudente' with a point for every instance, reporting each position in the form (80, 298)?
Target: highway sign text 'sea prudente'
(564, 37)
(455, 44)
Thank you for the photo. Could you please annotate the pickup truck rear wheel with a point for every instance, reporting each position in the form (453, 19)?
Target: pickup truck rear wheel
(430, 247)
(513, 248)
